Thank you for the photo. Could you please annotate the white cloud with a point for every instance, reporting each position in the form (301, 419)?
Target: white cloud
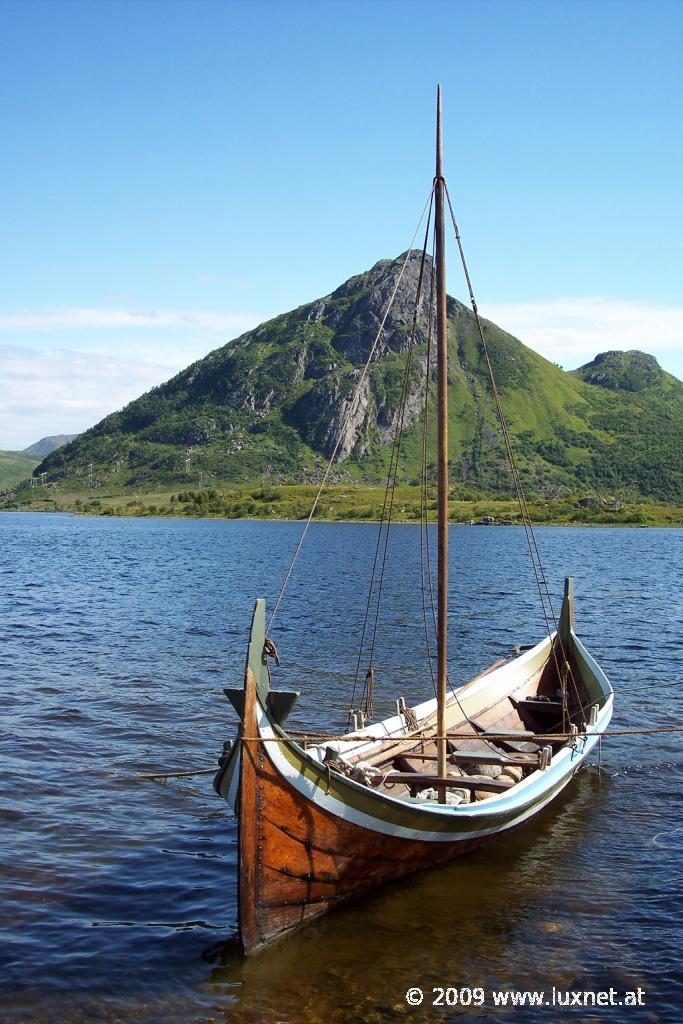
(111, 356)
(92, 318)
(47, 387)
(65, 390)
(573, 331)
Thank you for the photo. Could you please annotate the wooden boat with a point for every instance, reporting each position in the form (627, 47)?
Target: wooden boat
(325, 819)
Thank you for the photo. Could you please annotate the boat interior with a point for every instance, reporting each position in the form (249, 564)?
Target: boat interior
(528, 713)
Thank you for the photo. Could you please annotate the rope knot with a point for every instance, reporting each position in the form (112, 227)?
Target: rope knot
(270, 651)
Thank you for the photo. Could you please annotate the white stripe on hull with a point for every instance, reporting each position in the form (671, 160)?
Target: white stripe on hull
(526, 798)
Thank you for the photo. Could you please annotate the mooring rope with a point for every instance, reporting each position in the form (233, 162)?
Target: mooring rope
(521, 736)
(308, 737)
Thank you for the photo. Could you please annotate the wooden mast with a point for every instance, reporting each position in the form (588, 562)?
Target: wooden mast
(442, 405)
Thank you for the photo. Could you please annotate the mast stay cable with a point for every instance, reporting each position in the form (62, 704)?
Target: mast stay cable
(345, 418)
(565, 671)
(389, 496)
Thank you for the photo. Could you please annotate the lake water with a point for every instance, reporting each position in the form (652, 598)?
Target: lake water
(118, 896)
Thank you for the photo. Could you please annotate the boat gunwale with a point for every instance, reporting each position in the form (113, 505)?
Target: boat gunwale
(393, 728)
(531, 789)
(367, 737)
(497, 801)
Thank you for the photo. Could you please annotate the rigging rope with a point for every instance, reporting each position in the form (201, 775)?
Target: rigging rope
(387, 511)
(328, 737)
(346, 417)
(565, 670)
(425, 555)
(394, 460)
(388, 503)
(308, 737)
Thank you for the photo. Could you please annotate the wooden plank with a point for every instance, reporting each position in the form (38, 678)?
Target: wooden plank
(522, 746)
(526, 687)
(526, 744)
(402, 747)
(502, 717)
(414, 763)
(388, 753)
(472, 757)
(566, 624)
(475, 758)
(307, 860)
(415, 779)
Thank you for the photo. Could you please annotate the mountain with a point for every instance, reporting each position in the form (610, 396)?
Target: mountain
(270, 405)
(49, 444)
(623, 371)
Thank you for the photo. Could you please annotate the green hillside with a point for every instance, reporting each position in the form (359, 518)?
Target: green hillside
(269, 405)
(16, 466)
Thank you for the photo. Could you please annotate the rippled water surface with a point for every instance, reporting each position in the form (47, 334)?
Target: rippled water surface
(118, 895)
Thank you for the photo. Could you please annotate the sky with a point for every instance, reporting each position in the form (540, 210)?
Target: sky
(175, 172)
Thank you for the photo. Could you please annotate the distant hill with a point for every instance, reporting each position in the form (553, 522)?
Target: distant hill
(49, 444)
(14, 467)
(18, 466)
(269, 405)
(623, 371)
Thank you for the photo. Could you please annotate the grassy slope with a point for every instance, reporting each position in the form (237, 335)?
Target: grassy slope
(16, 466)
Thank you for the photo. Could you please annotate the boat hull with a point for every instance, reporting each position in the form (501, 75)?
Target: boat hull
(299, 860)
(311, 838)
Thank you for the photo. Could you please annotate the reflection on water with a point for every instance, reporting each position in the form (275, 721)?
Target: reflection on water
(427, 931)
(118, 896)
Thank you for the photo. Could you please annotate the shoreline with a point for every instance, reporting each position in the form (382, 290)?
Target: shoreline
(108, 514)
(341, 502)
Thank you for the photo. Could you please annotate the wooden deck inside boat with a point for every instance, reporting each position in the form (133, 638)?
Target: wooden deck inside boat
(483, 765)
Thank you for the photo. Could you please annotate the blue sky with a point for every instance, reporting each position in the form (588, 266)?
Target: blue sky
(175, 172)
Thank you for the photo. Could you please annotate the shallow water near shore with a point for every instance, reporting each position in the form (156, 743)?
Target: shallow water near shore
(118, 895)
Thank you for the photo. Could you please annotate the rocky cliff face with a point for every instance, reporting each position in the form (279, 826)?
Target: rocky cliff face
(356, 310)
(355, 316)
